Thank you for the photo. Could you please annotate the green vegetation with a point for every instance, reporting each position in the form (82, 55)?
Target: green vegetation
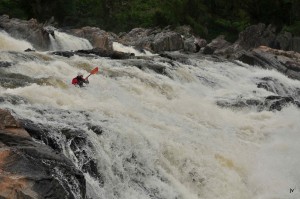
(208, 18)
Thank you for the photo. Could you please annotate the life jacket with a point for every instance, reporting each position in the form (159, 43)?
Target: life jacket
(74, 81)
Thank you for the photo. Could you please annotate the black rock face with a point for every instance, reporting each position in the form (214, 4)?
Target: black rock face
(4, 64)
(278, 102)
(51, 175)
(68, 139)
(31, 169)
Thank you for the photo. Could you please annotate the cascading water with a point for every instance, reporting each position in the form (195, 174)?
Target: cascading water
(128, 49)
(10, 43)
(146, 135)
(63, 41)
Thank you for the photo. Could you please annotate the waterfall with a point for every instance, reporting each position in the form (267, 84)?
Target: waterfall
(63, 41)
(9, 43)
(139, 134)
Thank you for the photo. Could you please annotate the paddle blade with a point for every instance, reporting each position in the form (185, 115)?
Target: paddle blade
(94, 71)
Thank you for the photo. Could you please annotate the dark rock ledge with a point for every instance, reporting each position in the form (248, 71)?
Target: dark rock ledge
(96, 52)
(32, 170)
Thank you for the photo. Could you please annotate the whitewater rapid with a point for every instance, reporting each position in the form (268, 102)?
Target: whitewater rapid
(164, 136)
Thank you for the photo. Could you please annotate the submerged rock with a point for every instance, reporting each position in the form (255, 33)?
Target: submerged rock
(5, 64)
(64, 53)
(106, 53)
(95, 52)
(278, 102)
(29, 50)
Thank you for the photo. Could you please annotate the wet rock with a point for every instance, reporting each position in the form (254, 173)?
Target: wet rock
(189, 45)
(95, 52)
(185, 31)
(257, 35)
(13, 99)
(216, 45)
(193, 44)
(64, 53)
(155, 40)
(5, 64)
(106, 53)
(138, 37)
(95, 128)
(286, 62)
(167, 41)
(11, 80)
(7, 120)
(79, 144)
(283, 41)
(158, 68)
(33, 170)
(70, 139)
(295, 44)
(278, 102)
(283, 96)
(49, 29)
(239, 103)
(200, 43)
(39, 132)
(275, 86)
(182, 58)
(29, 50)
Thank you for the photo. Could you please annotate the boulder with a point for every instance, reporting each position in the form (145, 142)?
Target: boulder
(155, 40)
(215, 46)
(257, 35)
(193, 44)
(185, 31)
(261, 35)
(295, 44)
(189, 45)
(139, 37)
(283, 41)
(167, 41)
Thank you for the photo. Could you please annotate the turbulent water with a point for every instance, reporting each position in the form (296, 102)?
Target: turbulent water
(164, 136)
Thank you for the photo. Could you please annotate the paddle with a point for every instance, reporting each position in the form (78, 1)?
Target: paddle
(94, 71)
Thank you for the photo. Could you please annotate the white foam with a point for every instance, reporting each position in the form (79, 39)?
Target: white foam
(185, 145)
(129, 49)
(9, 43)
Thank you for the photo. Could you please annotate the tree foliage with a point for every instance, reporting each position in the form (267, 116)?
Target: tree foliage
(207, 17)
